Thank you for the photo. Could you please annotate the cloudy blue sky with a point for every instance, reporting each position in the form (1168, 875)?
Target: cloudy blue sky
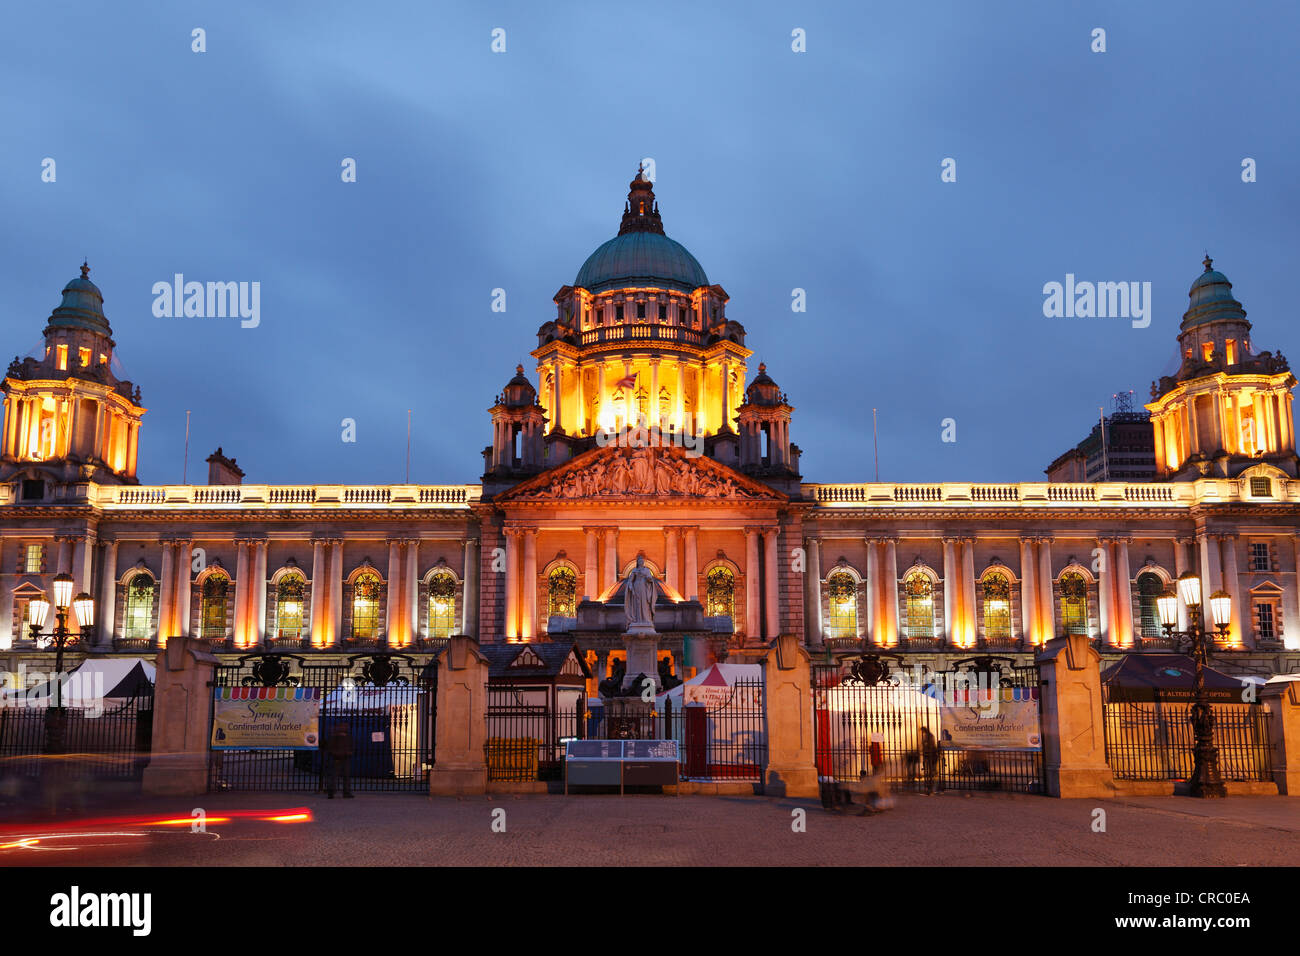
(477, 170)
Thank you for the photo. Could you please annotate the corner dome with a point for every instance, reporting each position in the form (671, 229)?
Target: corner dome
(641, 254)
(82, 306)
(1211, 300)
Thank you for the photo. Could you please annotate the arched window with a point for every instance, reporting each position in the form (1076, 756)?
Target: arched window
(842, 600)
(366, 591)
(1074, 603)
(562, 593)
(1150, 587)
(288, 606)
(139, 606)
(442, 605)
(997, 607)
(720, 593)
(212, 606)
(919, 592)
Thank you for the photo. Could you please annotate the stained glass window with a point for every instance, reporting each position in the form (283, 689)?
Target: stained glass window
(997, 607)
(842, 601)
(918, 591)
(1074, 603)
(720, 593)
(1150, 587)
(139, 606)
(288, 606)
(212, 606)
(562, 593)
(366, 592)
(442, 605)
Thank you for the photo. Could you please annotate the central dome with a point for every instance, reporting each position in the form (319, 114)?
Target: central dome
(641, 254)
(641, 258)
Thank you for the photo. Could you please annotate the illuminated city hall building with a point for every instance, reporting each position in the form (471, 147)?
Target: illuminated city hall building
(643, 431)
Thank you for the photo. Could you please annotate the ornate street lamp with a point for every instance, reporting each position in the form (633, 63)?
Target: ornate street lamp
(83, 606)
(1205, 781)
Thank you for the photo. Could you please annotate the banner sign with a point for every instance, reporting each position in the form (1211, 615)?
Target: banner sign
(715, 696)
(1002, 719)
(265, 718)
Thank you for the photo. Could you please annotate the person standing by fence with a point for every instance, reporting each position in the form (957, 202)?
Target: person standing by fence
(929, 758)
(339, 749)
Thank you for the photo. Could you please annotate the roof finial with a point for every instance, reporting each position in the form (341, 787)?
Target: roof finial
(85, 268)
(1207, 261)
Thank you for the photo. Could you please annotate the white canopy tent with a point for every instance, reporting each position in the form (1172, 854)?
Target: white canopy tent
(96, 682)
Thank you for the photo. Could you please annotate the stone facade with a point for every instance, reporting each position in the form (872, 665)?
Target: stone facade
(642, 438)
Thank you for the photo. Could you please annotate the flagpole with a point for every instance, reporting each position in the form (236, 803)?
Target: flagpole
(408, 446)
(185, 464)
(875, 443)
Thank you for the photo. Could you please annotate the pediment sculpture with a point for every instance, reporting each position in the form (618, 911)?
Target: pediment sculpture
(642, 471)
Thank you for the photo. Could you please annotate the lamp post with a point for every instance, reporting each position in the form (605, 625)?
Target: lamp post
(83, 606)
(1205, 781)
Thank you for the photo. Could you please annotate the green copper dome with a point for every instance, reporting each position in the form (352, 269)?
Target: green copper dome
(641, 254)
(1211, 300)
(641, 258)
(82, 306)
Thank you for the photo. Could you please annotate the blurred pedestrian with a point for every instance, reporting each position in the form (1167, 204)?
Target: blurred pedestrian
(929, 758)
(339, 748)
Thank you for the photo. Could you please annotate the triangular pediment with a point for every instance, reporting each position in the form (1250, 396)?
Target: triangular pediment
(640, 473)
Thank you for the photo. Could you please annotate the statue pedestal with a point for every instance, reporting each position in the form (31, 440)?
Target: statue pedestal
(642, 643)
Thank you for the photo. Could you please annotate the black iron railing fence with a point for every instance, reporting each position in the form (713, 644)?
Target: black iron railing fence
(871, 716)
(103, 739)
(526, 733)
(387, 702)
(1154, 740)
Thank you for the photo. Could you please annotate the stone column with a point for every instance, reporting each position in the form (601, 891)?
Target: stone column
(791, 770)
(470, 599)
(692, 582)
(872, 630)
(672, 568)
(63, 554)
(1124, 593)
(681, 396)
(653, 419)
(412, 622)
(591, 569)
(1180, 565)
(530, 628)
(1158, 429)
(890, 635)
(393, 581)
(243, 611)
(951, 592)
(968, 590)
(107, 610)
(178, 764)
(461, 733)
(1283, 702)
(1030, 630)
(259, 591)
(512, 583)
(83, 550)
(319, 592)
(752, 583)
(336, 592)
(771, 546)
(1046, 599)
(184, 577)
(611, 557)
(1074, 740)
(813, 592)
(1105, 593)
(167, 592)
(1231, 584)
(1211, 576)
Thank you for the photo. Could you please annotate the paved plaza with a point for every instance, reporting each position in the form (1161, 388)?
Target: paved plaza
(609, 830)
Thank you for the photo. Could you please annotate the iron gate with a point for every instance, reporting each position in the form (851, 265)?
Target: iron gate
(388, 702)
(526, 733)
(874, 715)
(1155, 740)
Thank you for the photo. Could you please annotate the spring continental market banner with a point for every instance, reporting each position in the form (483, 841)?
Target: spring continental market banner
(265, 718)
(1001, 719)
